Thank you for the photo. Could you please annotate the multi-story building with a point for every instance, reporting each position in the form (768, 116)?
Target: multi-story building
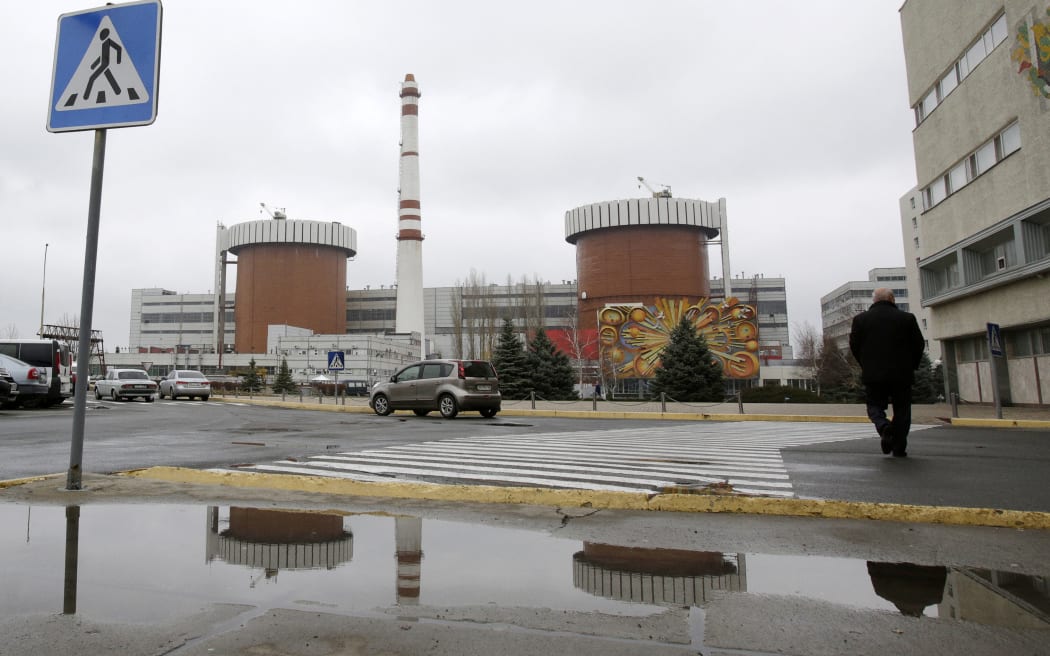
(911, 210)
(839, 306)
(979, 82)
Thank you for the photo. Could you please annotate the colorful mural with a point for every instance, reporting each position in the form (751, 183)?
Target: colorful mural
(632, 337)
(1032, 54)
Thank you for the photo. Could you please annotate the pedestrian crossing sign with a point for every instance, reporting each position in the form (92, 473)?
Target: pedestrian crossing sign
(336, 360)
(106, 69)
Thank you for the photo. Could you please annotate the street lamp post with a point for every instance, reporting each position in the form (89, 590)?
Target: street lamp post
(43, 287)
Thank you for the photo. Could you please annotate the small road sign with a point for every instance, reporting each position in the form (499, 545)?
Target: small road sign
(995, 340)
(336, 361)
(107, 66)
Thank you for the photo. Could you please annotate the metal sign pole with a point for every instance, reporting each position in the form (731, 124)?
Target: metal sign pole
(87, 304)
(995, 351)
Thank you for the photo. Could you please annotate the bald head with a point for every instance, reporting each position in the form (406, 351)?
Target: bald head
(882, 294)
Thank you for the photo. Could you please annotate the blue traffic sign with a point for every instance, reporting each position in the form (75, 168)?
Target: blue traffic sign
(995, 340)
(107, 67)
(336, 361)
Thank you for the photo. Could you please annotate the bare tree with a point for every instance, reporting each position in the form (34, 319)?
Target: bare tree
(10, 331)
(810, 349)
(581, 344)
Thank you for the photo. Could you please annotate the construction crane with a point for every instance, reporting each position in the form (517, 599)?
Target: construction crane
(275, 214)
(663, 193)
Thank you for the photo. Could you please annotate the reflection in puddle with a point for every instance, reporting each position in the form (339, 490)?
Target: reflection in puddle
(144, 563)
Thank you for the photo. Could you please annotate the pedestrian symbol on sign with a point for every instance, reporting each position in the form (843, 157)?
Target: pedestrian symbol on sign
(106, 76)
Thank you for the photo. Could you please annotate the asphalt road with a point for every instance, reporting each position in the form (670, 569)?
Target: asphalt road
(947, 466)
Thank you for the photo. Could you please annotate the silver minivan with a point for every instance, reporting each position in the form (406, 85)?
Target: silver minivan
(447, 386)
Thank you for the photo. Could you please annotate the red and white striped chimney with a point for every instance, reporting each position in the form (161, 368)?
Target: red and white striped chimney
(409, 306)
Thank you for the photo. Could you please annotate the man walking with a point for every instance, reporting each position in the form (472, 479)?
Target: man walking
(888, 344)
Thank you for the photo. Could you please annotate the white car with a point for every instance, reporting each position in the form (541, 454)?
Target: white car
(185, 382)
(125, 384)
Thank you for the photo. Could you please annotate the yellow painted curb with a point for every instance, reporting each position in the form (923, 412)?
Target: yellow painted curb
(15, 482)
(1001, 423)
(955, 516)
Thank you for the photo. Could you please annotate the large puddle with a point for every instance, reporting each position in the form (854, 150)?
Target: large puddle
(125, 563)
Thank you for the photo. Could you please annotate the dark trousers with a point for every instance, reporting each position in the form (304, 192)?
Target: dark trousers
(879, 397)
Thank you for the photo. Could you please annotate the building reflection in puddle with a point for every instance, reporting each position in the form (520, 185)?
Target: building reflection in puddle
(270, 541)
(664, 577)
(275, 540)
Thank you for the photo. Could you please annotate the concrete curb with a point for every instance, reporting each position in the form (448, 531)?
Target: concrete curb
(695, 503)
(1001, 423)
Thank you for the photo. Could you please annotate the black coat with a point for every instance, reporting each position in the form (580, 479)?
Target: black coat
(887, 343)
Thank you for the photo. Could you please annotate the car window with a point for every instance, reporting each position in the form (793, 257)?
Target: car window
(132, 375)
(38, 355)
(409, 373)
(435, 370)
(478, 369)
(191, 374)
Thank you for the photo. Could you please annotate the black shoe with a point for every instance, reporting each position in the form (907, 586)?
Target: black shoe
(886, 433)
(900, 454)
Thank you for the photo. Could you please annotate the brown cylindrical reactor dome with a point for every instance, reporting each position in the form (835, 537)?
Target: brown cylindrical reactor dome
(292, 273)
(638, 250)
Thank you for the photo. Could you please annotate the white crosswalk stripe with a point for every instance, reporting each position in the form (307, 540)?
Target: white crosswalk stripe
(744, 455)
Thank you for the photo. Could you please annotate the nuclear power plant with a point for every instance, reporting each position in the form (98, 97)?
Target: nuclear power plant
(642, 264)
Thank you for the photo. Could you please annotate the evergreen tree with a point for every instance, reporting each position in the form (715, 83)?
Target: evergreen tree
(252, 381)
(511, 364)
(550, 370)
(283, 381)
(839, 375)
(688, 371)
(938, 380)
(923, 389)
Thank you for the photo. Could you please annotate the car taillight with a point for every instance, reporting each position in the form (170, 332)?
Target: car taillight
(58, 360)
(33, 374)
(462, 371)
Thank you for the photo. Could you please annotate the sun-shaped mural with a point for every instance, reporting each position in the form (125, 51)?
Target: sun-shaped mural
(1032, 54)
(632, 337)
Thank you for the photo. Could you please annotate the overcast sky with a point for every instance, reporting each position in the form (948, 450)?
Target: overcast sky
(795, 112)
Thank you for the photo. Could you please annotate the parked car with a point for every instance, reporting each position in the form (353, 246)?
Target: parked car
(184, 382)
(447, 386)
(125, 384)
(8, 388)
(49, 354)
(33, 382)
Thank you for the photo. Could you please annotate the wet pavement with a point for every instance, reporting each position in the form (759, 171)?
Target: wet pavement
(266, 579)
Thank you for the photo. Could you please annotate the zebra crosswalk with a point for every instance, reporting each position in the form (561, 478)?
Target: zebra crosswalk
(744, 456)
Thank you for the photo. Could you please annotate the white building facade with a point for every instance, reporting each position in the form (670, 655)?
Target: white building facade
(839, 306)
(979, 83)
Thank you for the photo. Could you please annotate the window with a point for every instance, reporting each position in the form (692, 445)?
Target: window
(914, 220)
(985, 157)
(1010, 139)
(972, 349)
(976, 163)
(1018, 344)
(961, 68)
(1041, 340)
(957, 177)
(916, 240)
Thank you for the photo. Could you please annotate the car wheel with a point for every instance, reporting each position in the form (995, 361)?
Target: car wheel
(98, 395)
(421, 413)
(113, 395)
(204, 398)
(148, 399)
(381, 405)
(448, 406)
(488, 412)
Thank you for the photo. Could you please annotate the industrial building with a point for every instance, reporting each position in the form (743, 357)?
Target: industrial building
(839, 306)
(979, 84)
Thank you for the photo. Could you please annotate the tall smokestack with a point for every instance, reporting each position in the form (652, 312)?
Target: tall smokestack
(409, 223)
